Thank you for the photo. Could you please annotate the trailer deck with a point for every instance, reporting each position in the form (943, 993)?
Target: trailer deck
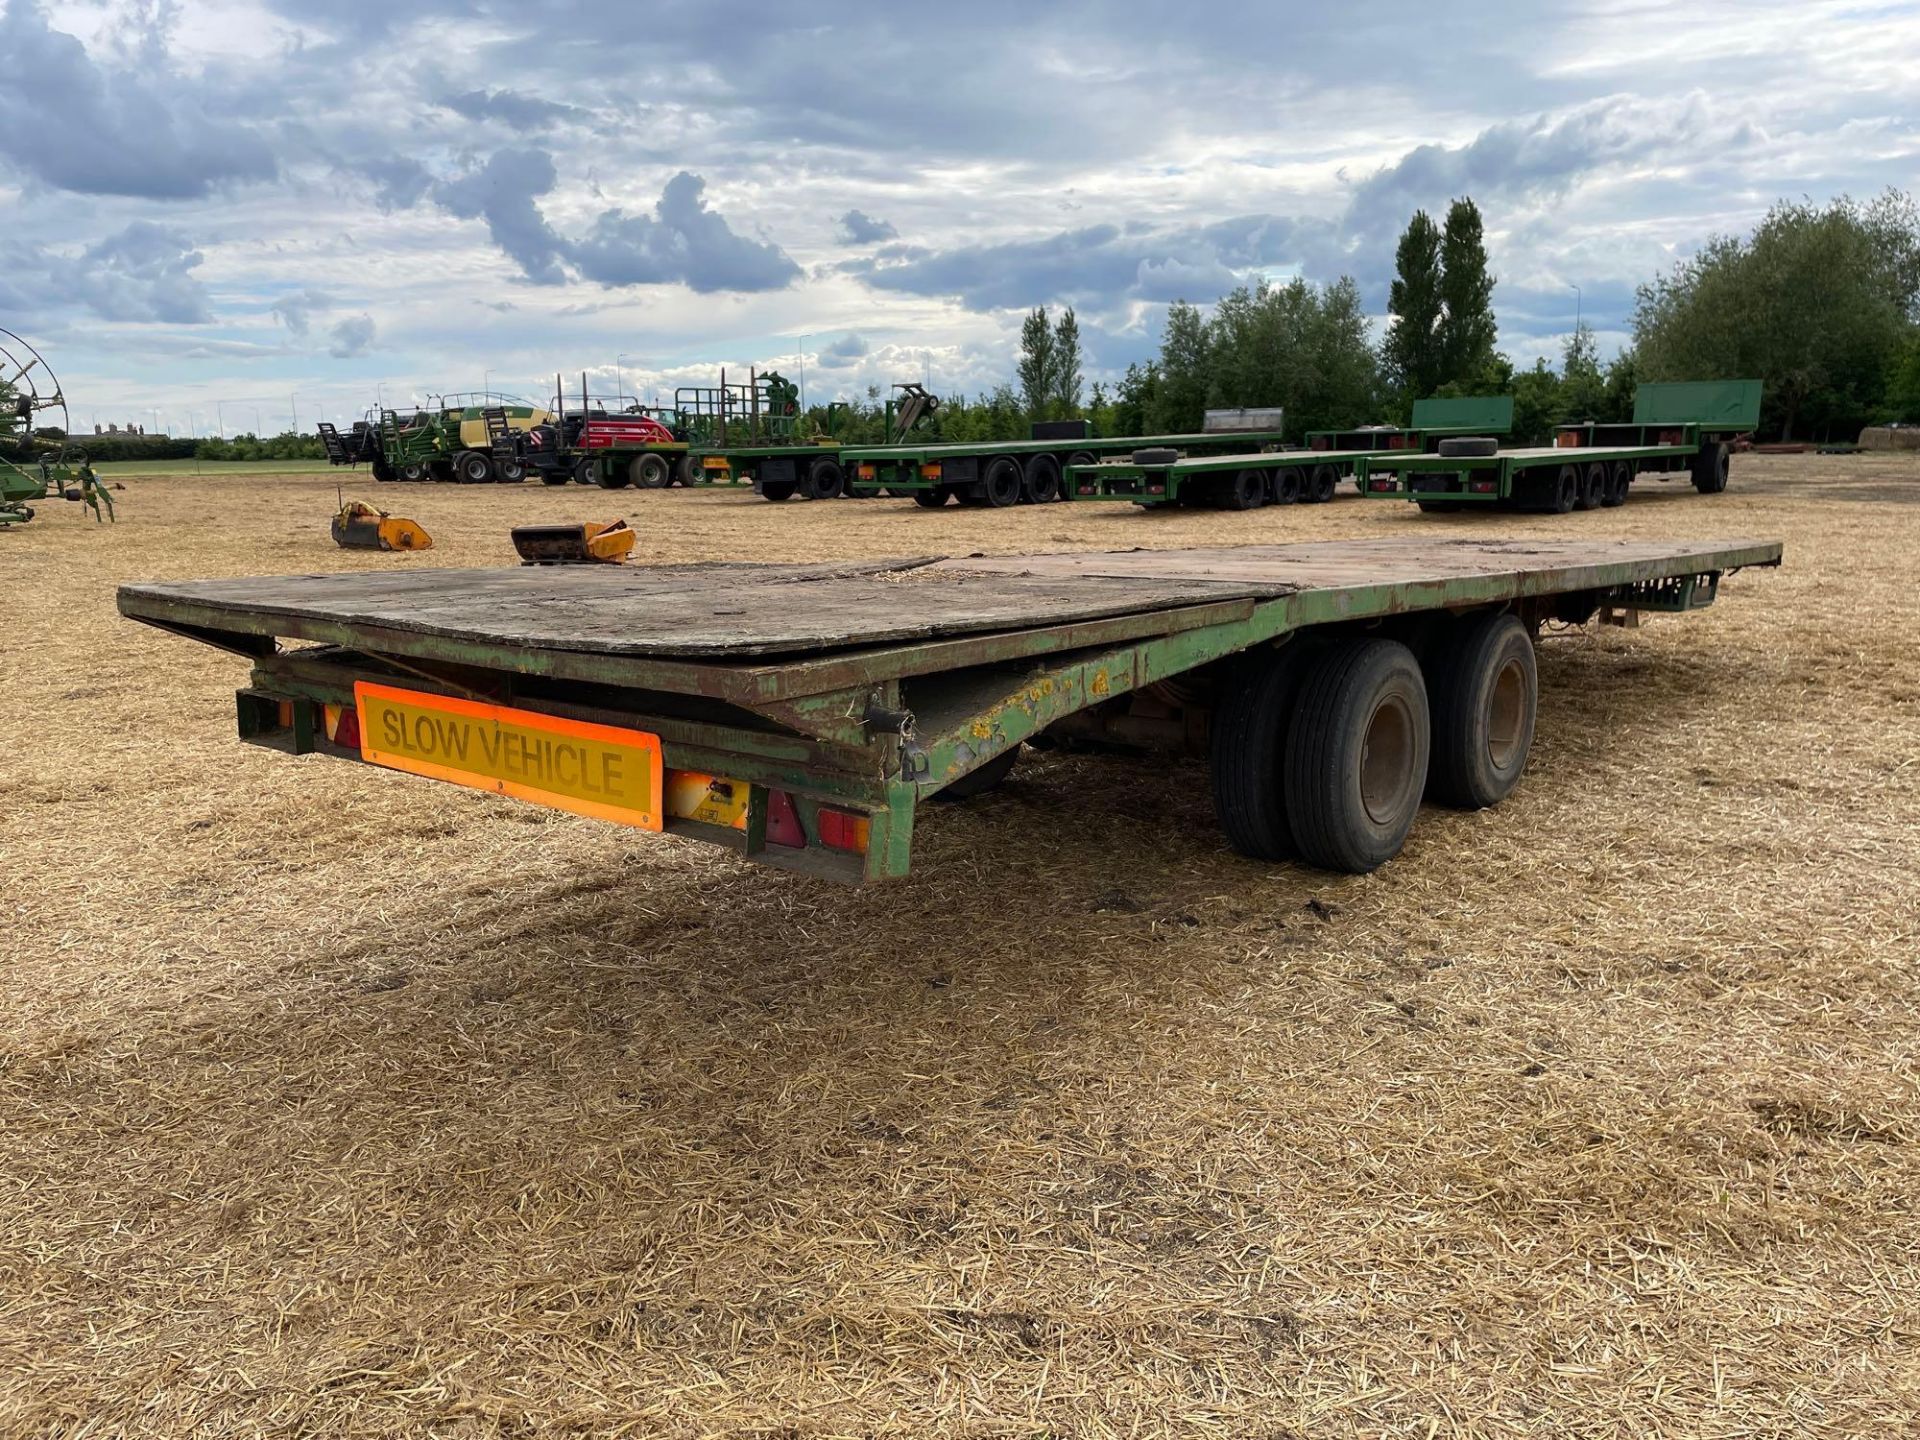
(1244, 481)
(1006, 472)
(1554, 478)
(799, 713)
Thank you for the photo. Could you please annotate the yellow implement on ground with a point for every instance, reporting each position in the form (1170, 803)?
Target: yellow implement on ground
(573, 544)
(359, 526)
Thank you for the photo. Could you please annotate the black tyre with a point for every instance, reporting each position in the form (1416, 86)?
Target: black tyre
(441, 471)
(650, 472)
(1321, 481)
(686, 471)
(1003, 483)
(1565, 491)
(509, 472)
(1710, 467)
(1469, 445)
(1248, 739)
(382, 470)
(1593, 487)
(1040, 480)
(1484, 690)
(931, 499)
(585, 472)
(987, 777)
(413, 472)
(1286, 485)
(826, 480)
(1619, 479)
(470, 467)
(1155, 455)
(1357, 755)
(1078, 457)
(779, 490)
(554, 477)
(1246, 491)
(609, 477)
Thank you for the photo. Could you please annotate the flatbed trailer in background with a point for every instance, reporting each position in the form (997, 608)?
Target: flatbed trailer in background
(751, 435)
(1014, 472)
(1435, 418)
(1683, 428)
(800, 714)
(1247, 481)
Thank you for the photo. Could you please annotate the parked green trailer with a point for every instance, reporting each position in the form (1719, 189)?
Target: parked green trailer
(1679, 429)
(1434, 419)
(1163, 477)
(1012, 472)
(755, 435)
(801, 714)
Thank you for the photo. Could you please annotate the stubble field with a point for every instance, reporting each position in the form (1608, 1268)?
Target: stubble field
(337, 1103)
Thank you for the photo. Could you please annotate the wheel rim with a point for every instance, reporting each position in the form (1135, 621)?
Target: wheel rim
(1506, 714)
(1386, 760)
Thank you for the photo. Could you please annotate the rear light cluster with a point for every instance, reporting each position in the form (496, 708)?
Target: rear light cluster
(930, 471)
(1382, 484)
(343, 726)
(1483, 487)
(866, 472)
(838, 829)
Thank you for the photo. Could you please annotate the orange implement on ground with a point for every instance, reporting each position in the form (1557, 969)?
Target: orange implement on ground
(573, 544)
(359, 526)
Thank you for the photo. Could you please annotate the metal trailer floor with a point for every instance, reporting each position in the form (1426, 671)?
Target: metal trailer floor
(721, 612)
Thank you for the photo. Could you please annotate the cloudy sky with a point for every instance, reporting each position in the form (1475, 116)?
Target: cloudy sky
(234, 207)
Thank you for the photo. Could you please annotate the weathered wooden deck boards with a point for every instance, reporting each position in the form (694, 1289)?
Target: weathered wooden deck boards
(739, 611)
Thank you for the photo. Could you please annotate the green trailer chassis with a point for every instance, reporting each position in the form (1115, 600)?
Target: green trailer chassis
(1546, 478)
(1221, 482)
(849, 732)
(1012, 472)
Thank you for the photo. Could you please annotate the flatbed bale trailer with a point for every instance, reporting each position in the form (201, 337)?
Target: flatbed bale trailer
(1436, 418)
(1152, 478)
(801, 714)
(1014, 472)
(1679, 428)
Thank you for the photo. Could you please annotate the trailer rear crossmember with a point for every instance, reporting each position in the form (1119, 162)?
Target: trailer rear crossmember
(799, 714)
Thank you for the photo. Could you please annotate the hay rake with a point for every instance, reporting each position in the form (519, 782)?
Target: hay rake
(35, 465)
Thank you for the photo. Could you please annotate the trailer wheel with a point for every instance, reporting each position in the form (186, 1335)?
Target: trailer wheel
(441, 471)
(987, 777)
(687, 471)
(1619, 479)
(1078, 457)
(610, 477)
(1286, 485)
(1003, 483)
(1040, 481)
(931, 499)
(650, 472)
(1247, 491)
(1357, 755)
(1485, 689)
(1248, 741)
(554, 477)
(1320, 484)
(413, 472)
(381, 469)
(825, 480)
(509, 472)
(1565, 493)
(1593, 487)
(1710, 468)
(778, 490)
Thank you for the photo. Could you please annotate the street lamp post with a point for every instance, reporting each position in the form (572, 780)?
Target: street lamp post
(619, 376)
(803, 374)
(1576, 306)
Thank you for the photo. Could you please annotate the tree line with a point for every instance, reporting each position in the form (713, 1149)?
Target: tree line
(1820, 302)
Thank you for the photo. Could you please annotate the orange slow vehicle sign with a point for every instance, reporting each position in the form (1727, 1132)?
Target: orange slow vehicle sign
(597, 770)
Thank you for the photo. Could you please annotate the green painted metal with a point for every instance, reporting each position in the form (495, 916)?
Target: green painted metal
(1716, 406)
(33, 466)
(1151, 485)
(1493, 479)
(1463, 415)
(869, 732)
